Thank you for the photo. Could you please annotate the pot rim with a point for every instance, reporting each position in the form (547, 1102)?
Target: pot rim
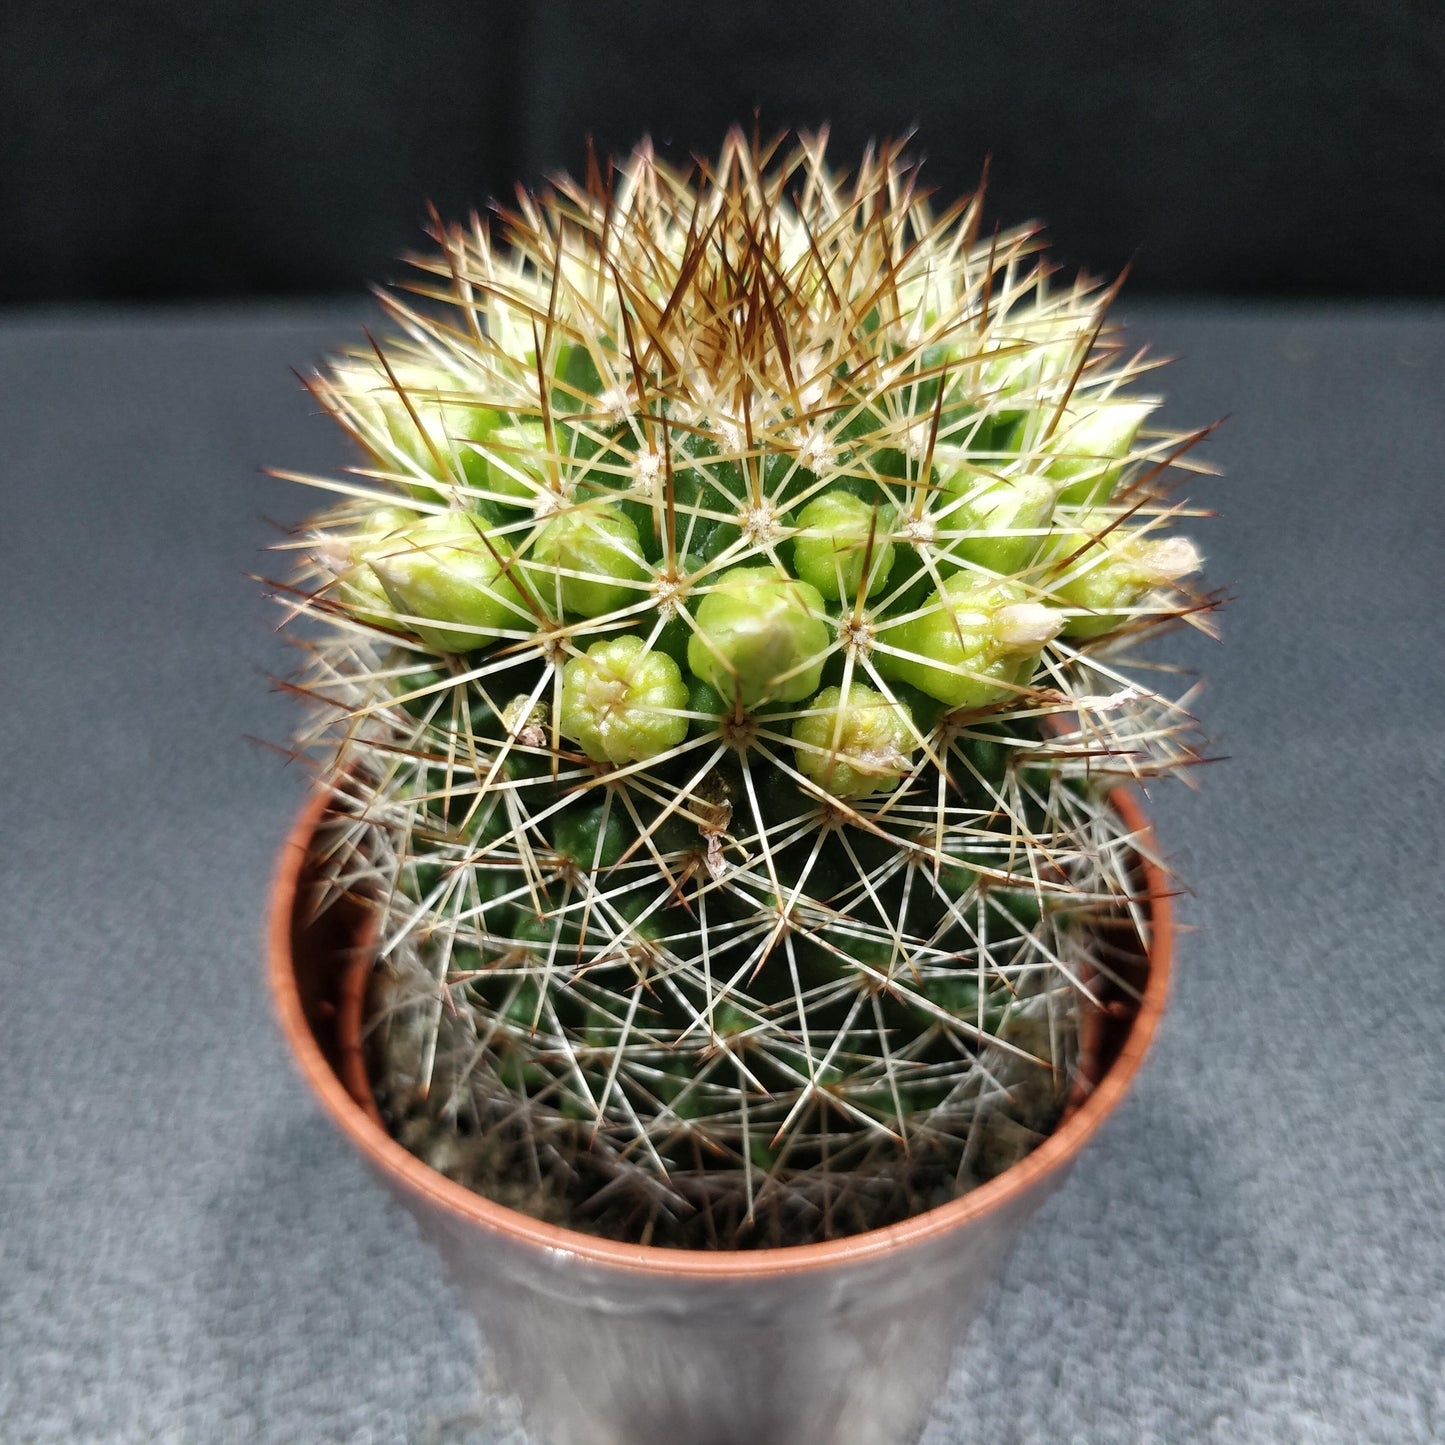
(1049, 1158)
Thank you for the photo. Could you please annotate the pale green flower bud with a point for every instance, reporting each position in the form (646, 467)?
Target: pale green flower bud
(513, 460)
(584, 559)
(973, 643)
(760, 636)
(500, 458)
(1036, 355)
(999, 526)
(855, 746)
(834, 541)
(622, 703)
(450, 427)
(1115, 573)
(356, 587)
(365, 387)
(384, 521)
(445, 572)
(1090, 445)
(360, 592)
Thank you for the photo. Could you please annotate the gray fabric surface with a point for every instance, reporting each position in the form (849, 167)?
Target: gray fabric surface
(1252, 1252)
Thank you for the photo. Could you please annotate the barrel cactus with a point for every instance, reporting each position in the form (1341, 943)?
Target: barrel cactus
(722, 661)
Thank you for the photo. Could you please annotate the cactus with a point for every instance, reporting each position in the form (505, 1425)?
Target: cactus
(722, 666)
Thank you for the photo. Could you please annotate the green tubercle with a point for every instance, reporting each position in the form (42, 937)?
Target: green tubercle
(972, 644)
(587, 560)
(445, 579)
(622, 703)
(855, 745)
(385, 521)
(761, 636)
(840, 534)
(593, 838)
(452, 431)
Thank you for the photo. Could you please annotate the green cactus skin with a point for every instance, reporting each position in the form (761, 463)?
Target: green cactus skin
(729, 896)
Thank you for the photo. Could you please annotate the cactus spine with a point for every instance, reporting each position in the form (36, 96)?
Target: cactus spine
(723, 662)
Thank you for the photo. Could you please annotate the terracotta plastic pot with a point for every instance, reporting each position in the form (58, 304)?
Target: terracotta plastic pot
(845, 1343)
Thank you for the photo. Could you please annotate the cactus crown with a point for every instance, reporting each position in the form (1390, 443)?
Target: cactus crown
(724, 661)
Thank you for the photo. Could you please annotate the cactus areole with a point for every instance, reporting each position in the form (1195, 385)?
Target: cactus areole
(720, 653)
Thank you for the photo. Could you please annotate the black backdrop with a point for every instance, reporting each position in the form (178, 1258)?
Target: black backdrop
(173, 148)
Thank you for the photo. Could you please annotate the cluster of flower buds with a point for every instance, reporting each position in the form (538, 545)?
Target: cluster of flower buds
(946, 587)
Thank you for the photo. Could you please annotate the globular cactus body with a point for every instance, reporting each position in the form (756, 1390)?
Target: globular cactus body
(721, 684)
